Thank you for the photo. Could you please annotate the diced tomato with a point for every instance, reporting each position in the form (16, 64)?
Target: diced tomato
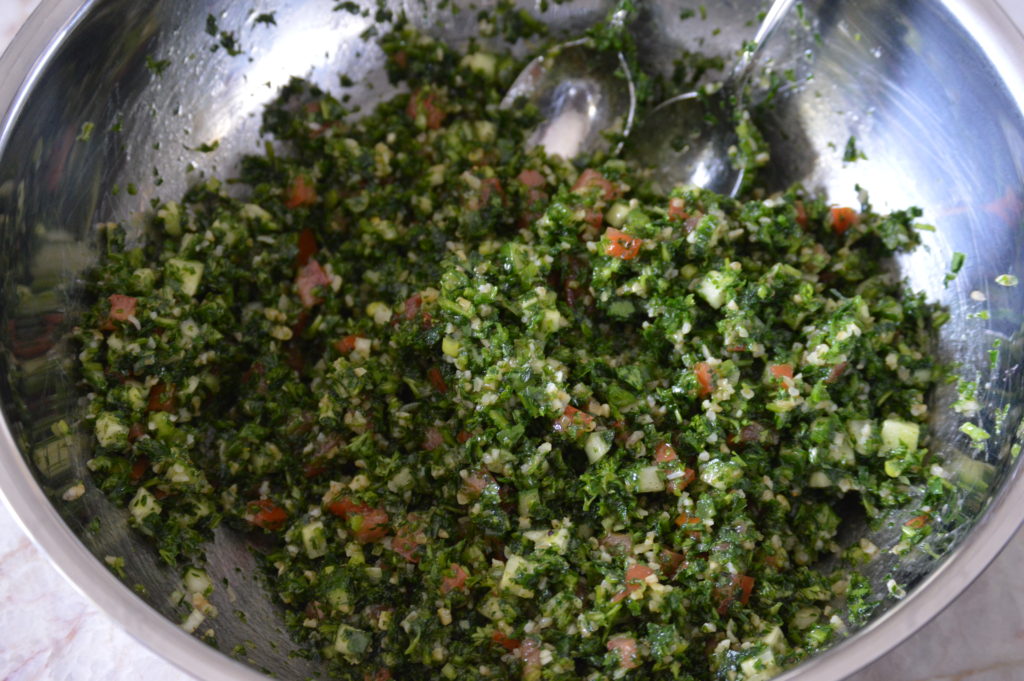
(801, 214)
(301, 192)
(266, 514)
(917, 522)
(781, 370)
(122, 308)
(307, 246)
(616, 543)
(625, 648)
(161, 398)
(742, 586)
(347, 344)
(705, 382)
(573, 418)
(531, 178)
(412, 307)
(843, 219)
(456, 581)
(476, 482)
(136, 431)
(463, 436)
(382, 674)
(836, 372)
(370, 526)
(635, 579)
(310, 277)
(437, 380)
(671, 561)
(664, 453)
(677, 209)
(677, 485)
(684, 519)
(738, 347)
(345, 506)
(621, 245)
(590, 179)
(426, 104)
(139, 468)
(401, 59)
(505, 642)
(406, 545)
(432, 439)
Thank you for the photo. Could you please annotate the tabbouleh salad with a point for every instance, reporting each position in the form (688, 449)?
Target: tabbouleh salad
(503, 416)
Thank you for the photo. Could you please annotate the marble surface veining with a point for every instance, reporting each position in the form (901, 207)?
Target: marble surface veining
(48, 631)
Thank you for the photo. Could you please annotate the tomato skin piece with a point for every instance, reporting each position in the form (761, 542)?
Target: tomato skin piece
(437, 380)
(843, 218)
(425, 104)
(506, 642)
(685, 518)
(917, 522)
(665, 453)
(741, 585)
(311, 276)
(677, 209)
(705, 382)
(531, 178)
(161, 398)
(625, 648)
(307, 247)
(670, 562)
(591, 179)
(368, 524)
(301, 192)
(801, 214)
(621, 245)
(677, 485)
(456, 581)
(266, 514)
(347, 344)
(635, 576)
(572, 417)
(781, 370)
(122, 308)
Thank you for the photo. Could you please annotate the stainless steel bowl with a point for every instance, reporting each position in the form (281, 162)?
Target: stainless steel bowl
(932, 90)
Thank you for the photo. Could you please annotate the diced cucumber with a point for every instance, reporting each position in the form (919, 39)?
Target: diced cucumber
(897, 433)
(649, 479)
(196, 581)
(352, 643)
(481, 62)
(598, 444)
(143, 505)
(713, 288)
(720, 474)
(528, 499)
(314, 539)
(840, 450)
(186, 274)
(862, 431)
(110, 431)
(516, 567)
(544, 539)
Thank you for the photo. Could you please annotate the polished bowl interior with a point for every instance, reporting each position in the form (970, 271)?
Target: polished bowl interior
(932, 90)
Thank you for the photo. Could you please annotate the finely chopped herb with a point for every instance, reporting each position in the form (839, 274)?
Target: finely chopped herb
(502, 417)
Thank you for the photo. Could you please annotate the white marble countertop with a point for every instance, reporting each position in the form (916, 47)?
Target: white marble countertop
(48, 631)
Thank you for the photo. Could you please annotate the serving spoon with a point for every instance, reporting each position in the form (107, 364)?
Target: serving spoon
(582, 93)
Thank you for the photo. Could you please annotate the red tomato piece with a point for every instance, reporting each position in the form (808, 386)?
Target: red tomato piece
(412, 307)
(406, 545)
(531, 178)
(664, 453)
(161, 398)
(677, 485)
(432, 439)
(677, 209)
(122, 308)
(836, 372)
(456, 581)
(781, 370)
(704, 379)
(685, 518)
(625, 648)
(266, 514)
(573, 418)
(801, 214)
(591, 179)
(843, 218)
(671, 561)
(437, 380)
(616, 543)
(301, 192)
(505, 642)
(428, 105)
(621, 245)
(307, 246)
(347, 344)
(635, 576)
(310, 277)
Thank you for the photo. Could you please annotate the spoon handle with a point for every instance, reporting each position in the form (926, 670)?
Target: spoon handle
(776, 13)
